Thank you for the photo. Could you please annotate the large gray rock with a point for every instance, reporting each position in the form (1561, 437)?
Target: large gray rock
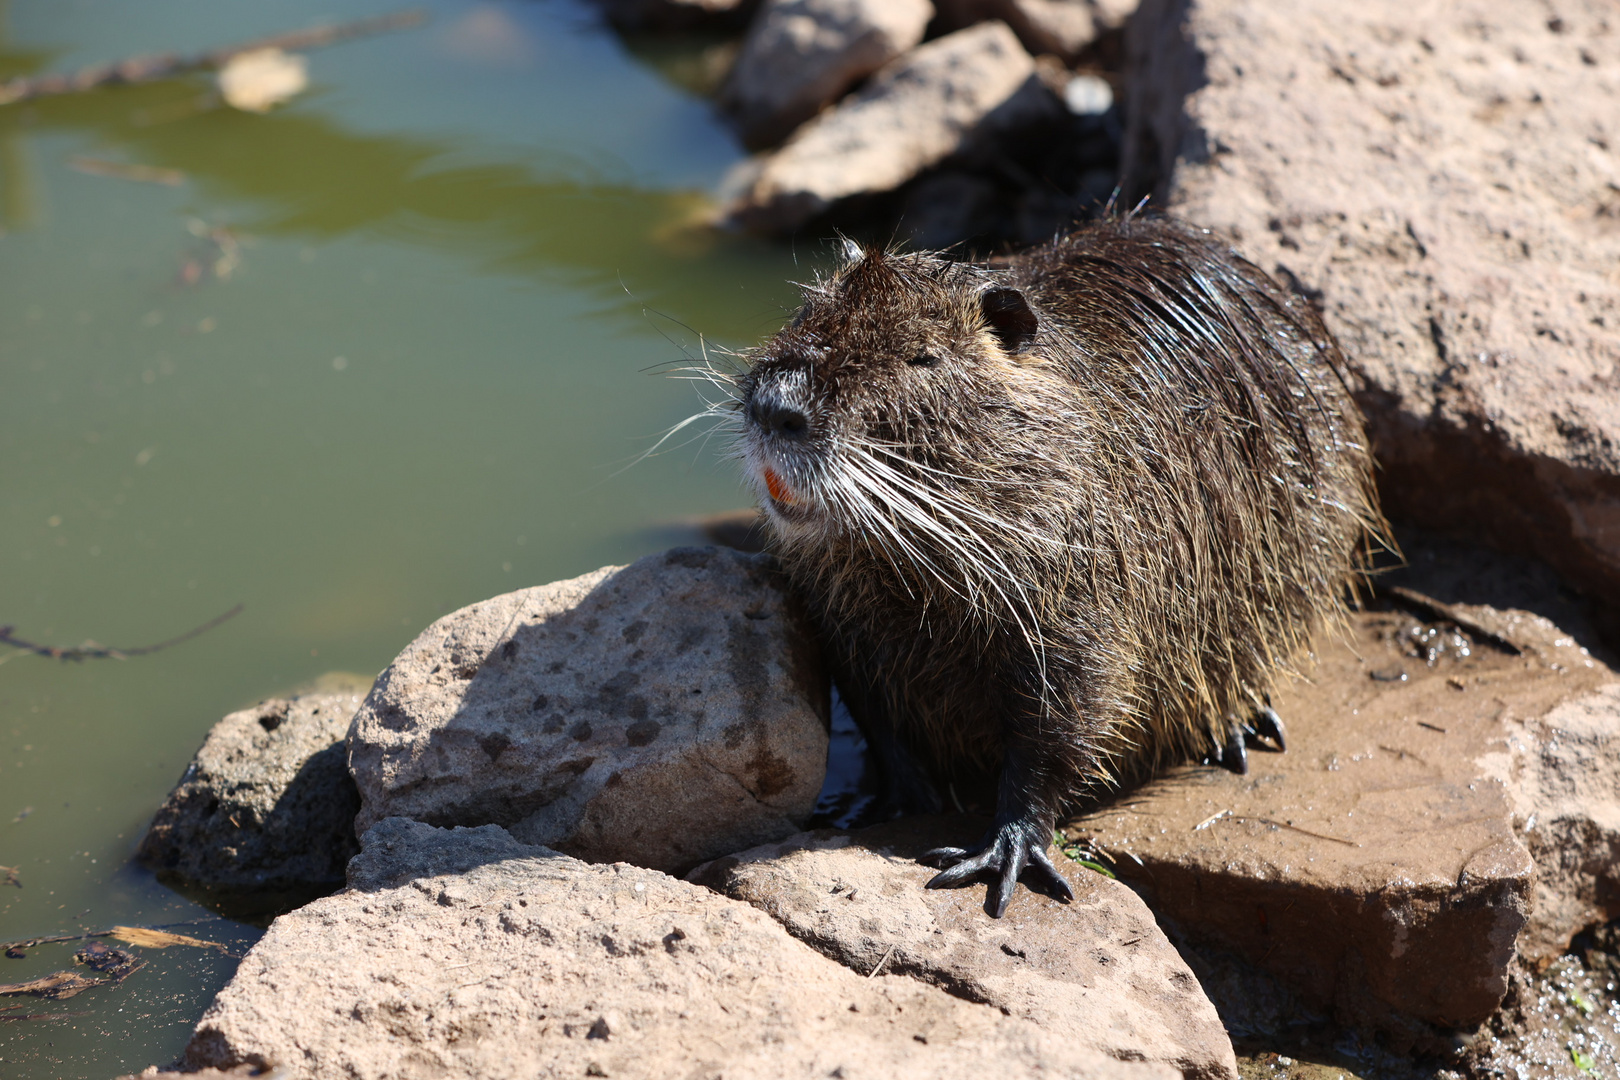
(1449, 800)
(263, 818)
(913, 113)
(464, 953)
(661, 714)
(1099, 968)
(1445, 179)
(801, 55)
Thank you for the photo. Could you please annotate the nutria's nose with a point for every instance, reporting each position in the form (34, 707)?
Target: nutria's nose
(781, 420)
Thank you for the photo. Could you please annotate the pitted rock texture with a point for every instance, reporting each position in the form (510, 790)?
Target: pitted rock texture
(1099, 968)
(661, 714)
(263, 817)
(1427, 757)
(801, 55)
(1444, 179)
(464, 953)
(912, 114)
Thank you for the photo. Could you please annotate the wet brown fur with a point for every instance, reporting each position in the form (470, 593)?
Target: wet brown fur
(1082, 553)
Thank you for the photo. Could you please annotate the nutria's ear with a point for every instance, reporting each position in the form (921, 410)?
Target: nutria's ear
(1009, 317)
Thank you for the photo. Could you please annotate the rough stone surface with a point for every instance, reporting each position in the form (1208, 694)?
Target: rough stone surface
(912, 114)
(464, 953)
(661, 713)
(1427, 761)
(1099, 968)
(264, 814)
(801, 55)
(1445, 178)
(1062, 28)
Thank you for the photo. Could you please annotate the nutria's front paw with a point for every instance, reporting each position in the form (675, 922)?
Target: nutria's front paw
(1006, 852)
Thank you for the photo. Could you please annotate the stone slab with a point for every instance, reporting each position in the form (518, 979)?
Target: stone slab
(464, 953)
(1099, 968)
(1382, 867)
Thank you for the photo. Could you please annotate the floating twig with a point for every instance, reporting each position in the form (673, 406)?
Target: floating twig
(90, 650)
(145, 174)
(143, 69)
(145, 936)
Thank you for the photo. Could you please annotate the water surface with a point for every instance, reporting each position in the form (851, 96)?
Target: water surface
(384, 352)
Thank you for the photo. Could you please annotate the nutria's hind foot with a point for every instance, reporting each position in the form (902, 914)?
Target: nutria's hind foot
(1234, 756)
(1006, 852)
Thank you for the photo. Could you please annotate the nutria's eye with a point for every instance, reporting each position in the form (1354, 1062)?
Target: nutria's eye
(923, 359)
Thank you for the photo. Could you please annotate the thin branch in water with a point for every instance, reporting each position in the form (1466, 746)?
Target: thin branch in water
(91, 651)
(144, 69)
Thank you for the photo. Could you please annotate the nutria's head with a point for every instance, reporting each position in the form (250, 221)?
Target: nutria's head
(898, 372)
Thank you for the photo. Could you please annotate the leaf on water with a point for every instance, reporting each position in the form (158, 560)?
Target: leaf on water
(260, 80)
(99, 956)
(13, 875)
(159, 939)
(57, 985)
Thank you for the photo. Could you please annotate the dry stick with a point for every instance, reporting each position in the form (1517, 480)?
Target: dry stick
(54, 939)
(141, 69)
(90, 650)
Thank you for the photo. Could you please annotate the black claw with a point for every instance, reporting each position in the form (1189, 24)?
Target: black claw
(1234, 755)
(942, 857)
(1007, 852)
(1268, 725)
(959, 867)
(1049, 873)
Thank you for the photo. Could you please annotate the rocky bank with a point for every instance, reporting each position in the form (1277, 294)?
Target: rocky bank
(1420, 885)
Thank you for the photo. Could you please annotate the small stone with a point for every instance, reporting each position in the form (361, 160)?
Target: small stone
(913, 114)
(801, 55)
(260, 80)
(1061, 28)
(263, 817)
(1088, 95)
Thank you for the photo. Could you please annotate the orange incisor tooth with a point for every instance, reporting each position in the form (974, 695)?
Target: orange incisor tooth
(779, 490)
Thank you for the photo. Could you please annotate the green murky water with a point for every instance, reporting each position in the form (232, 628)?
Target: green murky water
(363, 360)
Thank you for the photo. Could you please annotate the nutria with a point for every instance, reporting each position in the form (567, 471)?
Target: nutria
(1060, 521)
